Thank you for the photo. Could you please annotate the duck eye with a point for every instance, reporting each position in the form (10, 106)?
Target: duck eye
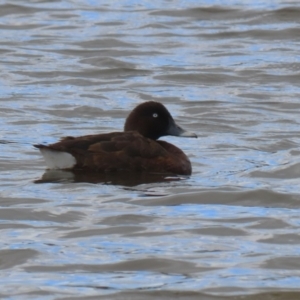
(155, 115)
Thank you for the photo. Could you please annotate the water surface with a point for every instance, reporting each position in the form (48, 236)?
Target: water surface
(227, 71)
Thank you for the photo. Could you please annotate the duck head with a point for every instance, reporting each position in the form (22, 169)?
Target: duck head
(152, 120)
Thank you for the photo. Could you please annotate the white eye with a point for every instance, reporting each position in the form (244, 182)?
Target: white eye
(155, 115)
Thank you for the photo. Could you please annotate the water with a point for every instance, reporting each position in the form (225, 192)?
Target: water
(227, 71)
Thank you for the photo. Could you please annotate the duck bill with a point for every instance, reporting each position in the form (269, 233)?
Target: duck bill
(176, 130)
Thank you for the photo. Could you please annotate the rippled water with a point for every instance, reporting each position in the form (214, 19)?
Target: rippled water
(227, 70)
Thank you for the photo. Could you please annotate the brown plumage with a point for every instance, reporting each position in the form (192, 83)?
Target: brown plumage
(136, 149)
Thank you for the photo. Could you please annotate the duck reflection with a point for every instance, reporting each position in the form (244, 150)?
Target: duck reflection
(117, 178)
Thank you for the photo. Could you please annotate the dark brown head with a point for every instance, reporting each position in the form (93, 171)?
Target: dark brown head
(152, 120)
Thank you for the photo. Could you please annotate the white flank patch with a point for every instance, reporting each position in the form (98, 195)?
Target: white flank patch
(57, 159)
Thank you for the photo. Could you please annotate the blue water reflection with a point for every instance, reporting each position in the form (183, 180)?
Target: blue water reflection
(227, 71)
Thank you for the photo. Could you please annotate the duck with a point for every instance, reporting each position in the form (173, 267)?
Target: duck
(136, 149)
